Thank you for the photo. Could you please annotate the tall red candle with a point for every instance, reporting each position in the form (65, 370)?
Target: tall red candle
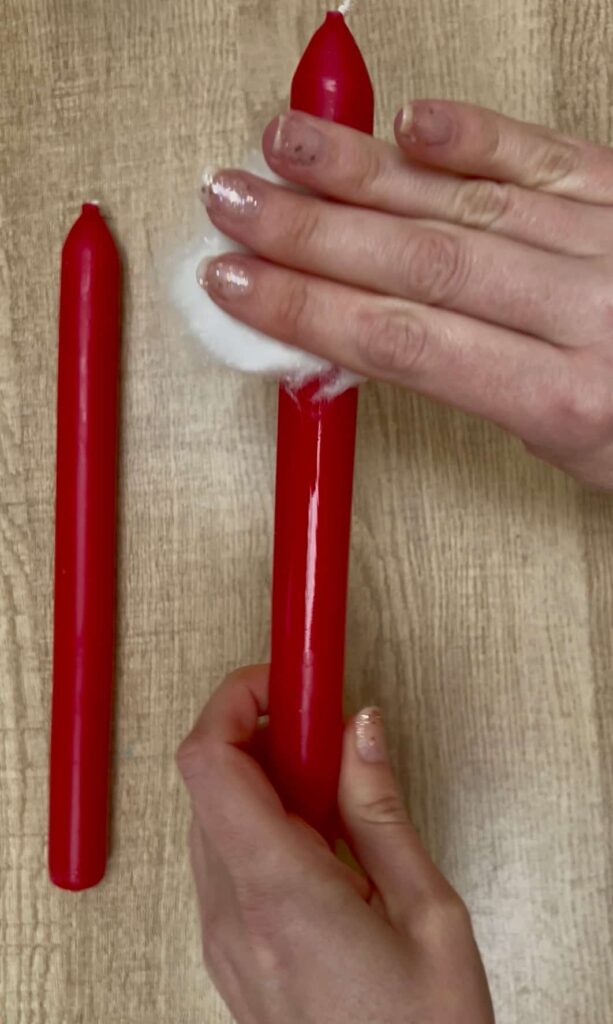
(87, 400)
(315, 455)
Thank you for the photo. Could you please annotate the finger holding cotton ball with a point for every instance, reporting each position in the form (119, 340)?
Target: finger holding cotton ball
(229, 342)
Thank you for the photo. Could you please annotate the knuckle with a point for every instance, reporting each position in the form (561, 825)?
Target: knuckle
(491, 129)
(267, 914)
(581, 412)
(391, 343)
(554, 160)
(365, 171)
(481, 203)
(195, 757)
(436, 267)
(189, 758)
(442, 917)
(387, 809)
(304, 225)
(292, 305)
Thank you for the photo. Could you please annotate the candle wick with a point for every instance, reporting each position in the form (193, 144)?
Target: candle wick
(345, 7)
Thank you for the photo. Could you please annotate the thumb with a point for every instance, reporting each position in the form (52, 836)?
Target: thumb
(382, 837)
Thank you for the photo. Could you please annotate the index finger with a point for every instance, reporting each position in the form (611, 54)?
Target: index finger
(231, 714)
(233, 800)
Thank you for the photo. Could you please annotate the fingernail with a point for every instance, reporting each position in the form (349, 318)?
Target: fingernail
(370, 737)
(230, 192)
(201, 272)
(226, 279)
(426, 123)
(206, 180)
(297, 141)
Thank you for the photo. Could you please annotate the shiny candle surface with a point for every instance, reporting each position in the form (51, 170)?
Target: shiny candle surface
(315, 457)
(85, 541)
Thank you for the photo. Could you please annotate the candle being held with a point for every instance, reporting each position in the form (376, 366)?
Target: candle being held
(315, 456)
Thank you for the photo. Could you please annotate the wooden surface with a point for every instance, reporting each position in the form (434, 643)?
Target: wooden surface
(481, 593)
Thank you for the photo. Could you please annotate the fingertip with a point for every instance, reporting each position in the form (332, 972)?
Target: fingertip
(349, 739)
(192, 756)
(228, 278)
(270, 136)
(403, 122)
(367, 736)
(249, 682)
(230, 717)
(365, 766)
(426, 125)
(255, 675)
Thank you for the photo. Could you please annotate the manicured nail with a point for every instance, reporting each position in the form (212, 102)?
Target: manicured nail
(370, 737)
(224, 278)
(202, 271)
(297, 141)
(426, 123)
(230, 192)
(206, 180)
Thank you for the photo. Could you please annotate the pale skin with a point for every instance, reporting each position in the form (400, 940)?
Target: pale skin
(470, 262)
(291, 933)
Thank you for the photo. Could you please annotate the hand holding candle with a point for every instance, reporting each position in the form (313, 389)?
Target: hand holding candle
(315, 454)
(289, 931)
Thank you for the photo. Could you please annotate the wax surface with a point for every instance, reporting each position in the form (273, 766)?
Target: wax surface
(332, 80)
(315, 455)
(88, 368)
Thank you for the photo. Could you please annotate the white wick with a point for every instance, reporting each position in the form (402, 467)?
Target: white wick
(345, 7)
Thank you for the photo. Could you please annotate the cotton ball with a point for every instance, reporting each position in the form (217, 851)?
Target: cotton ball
(232, 343)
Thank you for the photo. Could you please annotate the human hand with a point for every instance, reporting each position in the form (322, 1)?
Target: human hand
(471, 262)
(289, 932)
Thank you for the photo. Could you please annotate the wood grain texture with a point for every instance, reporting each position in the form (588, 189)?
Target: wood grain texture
(481, 590)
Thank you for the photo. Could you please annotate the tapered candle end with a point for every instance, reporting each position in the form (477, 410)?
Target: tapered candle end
(91, 206)
(332, 80)
(91, 229)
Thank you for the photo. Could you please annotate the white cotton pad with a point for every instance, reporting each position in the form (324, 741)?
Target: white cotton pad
(232, 343)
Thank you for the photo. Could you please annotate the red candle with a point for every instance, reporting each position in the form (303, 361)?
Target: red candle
(88, 370)
(315, 454)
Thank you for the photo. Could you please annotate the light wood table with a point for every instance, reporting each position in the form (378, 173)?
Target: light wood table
(481, 593)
